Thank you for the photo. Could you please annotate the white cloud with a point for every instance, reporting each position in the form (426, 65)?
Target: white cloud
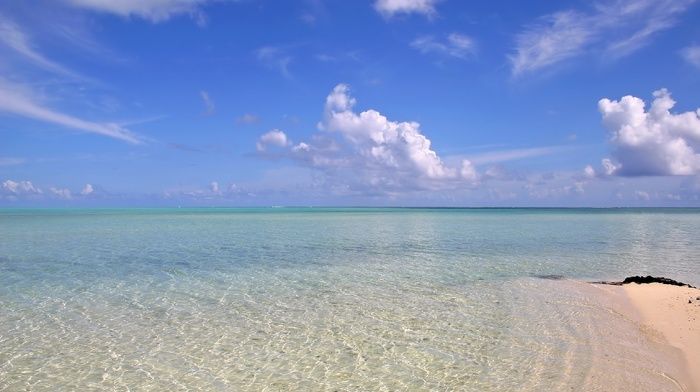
(16, 39)
(383, 143)
(12, 190)
(559, 37)
(389, 8)
(17, 100)
(609, 168)
(61, 193)
(275, 58)
(248, 119)
(213, 193)
(211, 108)
(87, 189)
(20, 187)
(371, 153)
(456, 45)
(691, 54)
(639, 19)
(214, 188)
(641, 195)
(656, 142)
(273, 138)
(616, 30)
(606, 170)
(516, 154)
(153, 10)
(559, 192)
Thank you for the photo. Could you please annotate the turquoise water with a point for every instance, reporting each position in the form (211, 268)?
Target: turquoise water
(330, 299)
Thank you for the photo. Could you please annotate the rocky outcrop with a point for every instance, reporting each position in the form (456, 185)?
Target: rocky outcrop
(647, 279)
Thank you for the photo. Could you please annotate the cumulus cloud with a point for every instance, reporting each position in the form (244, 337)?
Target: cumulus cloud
(641, 195)
(214, 188)
(63, 194)
(616, 29)
(389, 8)
(535, 192)
(87, 189)
(273, 138)
(607, 169)
(456, 45)
(12, 190)
(653, 142)
(153, 10)
(366, 152)
(691, 54)
(25, 187)
(386, 144)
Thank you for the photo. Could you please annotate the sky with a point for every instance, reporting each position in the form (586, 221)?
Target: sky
(349, 103)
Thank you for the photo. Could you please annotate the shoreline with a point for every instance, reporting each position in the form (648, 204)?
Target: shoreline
(669, 317)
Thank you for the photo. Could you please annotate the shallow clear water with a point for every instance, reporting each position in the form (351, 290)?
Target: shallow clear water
(330, 299)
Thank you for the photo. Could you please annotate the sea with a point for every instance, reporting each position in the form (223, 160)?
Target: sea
(333, 299)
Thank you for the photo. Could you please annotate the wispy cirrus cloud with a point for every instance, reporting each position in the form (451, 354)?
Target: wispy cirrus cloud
(12, 36)
(248, 119)
(18, 100)
(515, 154)
(152, 10)
(275, 58)
(616, 30)
(208, 102)
(557, 37)
(21, 98)
(389, 8)
(455, 45)
(691, 54)
(638, 20)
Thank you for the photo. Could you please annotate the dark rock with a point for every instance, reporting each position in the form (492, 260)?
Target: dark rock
(607, 282)
(552, 277)
(647, 279)
(653, 279)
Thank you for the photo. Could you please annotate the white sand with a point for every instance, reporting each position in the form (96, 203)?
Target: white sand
(674, 312)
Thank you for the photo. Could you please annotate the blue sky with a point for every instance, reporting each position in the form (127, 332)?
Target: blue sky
(329, 102)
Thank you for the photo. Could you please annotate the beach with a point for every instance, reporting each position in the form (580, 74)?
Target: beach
(669, 315)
